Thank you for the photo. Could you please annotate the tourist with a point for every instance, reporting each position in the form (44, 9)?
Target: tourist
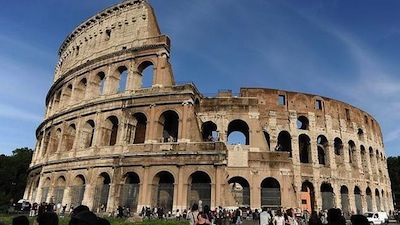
(265, 217)
(279, 219)
(192, 215)
(202, 219)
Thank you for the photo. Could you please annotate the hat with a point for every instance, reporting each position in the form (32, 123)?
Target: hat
(87, 217)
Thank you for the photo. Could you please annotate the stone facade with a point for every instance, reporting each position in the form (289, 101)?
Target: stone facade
(107, 139)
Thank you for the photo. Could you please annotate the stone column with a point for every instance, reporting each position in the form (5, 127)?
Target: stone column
(153, 125)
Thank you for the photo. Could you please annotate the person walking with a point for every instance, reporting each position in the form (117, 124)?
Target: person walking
(265, 217)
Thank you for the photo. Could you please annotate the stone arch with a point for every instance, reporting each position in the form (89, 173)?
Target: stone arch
(338, 146)
(284, 142)
(270, 193)
(45, 189)
(34, 187)
(146, 70)
(69, 137)
(377, 200)
(55, 140)
(240, 188)
(130, 191)
(57, 99)
(322, 146)
(101, 192)
(200, 189)
(139, 128)
(163, 190)
(78, 190)
(327, 196)
(209, 131)
(122, 76)
(99, 84)
(87, 135)
(304, 148)
(360, 134)
(308, 195)
(47, 138)
(169, 126)
(358, 200)
(352, 152)
(345, 200)
(368, 195)
(59, 190)
(110, 131)
(66, 94)
(303, 123)
(241, 127)
(80, 90)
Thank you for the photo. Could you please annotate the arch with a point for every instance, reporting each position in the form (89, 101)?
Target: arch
(123, 78)
(368, 194)
(209, 131)
(110, 131)
(352, 151)
(270, 193)
(322, 146)
(78, 190)
(59, 190)
(360, 134)
(304, 148)
(80, 90)
(267, 139)
(238, 126)
(345, 200)
(101, 192)
(146, 71)
(66, 94)
(303, 123)
(169, 125)
(140, 128)
(377, 200)
(240, 188)
(163, 190)
(308, 195)
(284, 142)
(200, 189)
(358, 200)
(88, 134)
(130, 191)
(338, 146)
(99, 82)
(45, 189)
(327, 196)
(55, 140)
(69, 137)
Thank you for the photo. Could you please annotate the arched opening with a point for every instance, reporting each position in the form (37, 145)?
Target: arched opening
(101, 192)
(369, 199)
(46, 141)
(123, 78)
(240, 128)
(99, 81)
(146, 71)
(55, 140)
(169, 123)
(240, 189)
(66, 98)
(284, 142)
(338, 145)
(377, 200)
(163, 190)
(345, 201)
(200, 189)
(302, 123)
(80, 90)
(88, 134)
(59, 190)
(352, 152)
(140, 128)
(56, 103)
(304, 148)
(322, 144)
(360, 134)
(209, 131)
(77, 190)
(110, 131)
(45, 190)
(69, 137)
(270, 193)
(358, 200)
(130, 191)
(327, 196)
(308, 196)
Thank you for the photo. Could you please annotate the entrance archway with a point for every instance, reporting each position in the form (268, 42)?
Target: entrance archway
(240, 189)
(200, 189)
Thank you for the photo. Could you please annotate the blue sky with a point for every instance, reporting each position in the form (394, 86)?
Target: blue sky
(343, 49)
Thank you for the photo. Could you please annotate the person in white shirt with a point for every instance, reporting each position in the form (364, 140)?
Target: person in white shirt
(265, 217)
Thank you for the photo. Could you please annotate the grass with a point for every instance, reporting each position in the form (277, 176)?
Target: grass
(7, 219)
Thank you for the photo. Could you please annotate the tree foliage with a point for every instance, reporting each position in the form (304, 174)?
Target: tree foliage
(393, 164)
(13, 174)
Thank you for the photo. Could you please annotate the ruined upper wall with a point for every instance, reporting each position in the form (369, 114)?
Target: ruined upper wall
(126, 25)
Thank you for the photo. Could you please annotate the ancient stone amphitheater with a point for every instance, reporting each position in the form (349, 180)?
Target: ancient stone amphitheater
(107, 139)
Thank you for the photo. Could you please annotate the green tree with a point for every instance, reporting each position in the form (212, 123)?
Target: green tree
(13, 173)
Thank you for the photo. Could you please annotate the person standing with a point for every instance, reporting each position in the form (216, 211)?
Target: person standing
(279, 219)
(192, 215)
(265, 217)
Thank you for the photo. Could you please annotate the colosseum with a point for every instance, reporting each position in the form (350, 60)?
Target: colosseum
(109, 140)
